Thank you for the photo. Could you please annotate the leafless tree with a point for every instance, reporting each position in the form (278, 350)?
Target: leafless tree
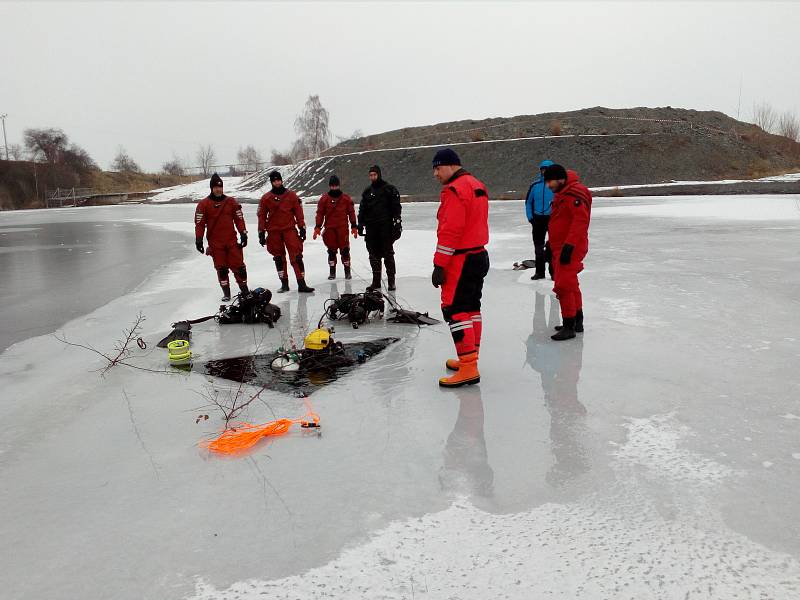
(49, 143)
(16, 152)
(299, 151)
(52, 146)
(205, 158)
(341, 139)
(789, 126)
(174, 166)
(312, 129)
(123, 163)
(123, 348)
(765, 116)
(249, 158)
(79, 159)
(280, 158)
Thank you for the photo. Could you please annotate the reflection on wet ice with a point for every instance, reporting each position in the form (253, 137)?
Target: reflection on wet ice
(466, 468)
(559, 365)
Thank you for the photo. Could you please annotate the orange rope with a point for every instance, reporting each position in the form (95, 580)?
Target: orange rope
(246, 435)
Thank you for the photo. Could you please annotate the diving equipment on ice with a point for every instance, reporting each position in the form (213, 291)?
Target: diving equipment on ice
(182, 330)
(525, 264)
(359, 308)
(252, 307)
(356, 308)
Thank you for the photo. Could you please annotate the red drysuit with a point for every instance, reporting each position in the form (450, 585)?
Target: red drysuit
(569, 224)
(278, 216)
(462, 233)
(216, 218)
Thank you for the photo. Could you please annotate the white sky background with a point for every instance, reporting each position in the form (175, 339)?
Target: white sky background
(160, 78)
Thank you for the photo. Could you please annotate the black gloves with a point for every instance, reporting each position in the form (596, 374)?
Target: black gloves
(262, 237)
(397, 228)
(361, 230)
(198, 243)
(566, 254)
(302, 232)
(437, 277)
(530, 220)
(243, 239)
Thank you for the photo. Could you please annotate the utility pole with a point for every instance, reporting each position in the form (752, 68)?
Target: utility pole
(5, 141)
(739, 106)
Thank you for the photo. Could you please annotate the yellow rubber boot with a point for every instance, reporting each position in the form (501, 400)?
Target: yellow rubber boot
(467, 373)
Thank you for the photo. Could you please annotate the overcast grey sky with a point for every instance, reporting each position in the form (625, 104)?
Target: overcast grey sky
(160, 77)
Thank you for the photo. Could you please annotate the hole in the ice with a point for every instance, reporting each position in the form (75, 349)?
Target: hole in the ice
(314, 369)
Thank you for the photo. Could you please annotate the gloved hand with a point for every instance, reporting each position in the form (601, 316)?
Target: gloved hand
(262, 237)
(198, 243)
(317, 231)
(361, 230)
(397, 228)
(301, 231)
(354, 231)
(243, 239)
(566, 254)
(530, 220)
(437, 277)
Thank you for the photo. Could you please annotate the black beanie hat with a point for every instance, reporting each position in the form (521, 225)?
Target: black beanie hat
(446, 156)
(275, 176)
(216, 180)
(334, 180)
(555, 172)
(375, 169)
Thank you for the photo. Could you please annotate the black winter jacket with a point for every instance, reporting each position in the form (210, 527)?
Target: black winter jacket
(380, 204)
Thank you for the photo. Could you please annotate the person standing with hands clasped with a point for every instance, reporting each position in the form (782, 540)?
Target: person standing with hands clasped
(279, 212)
(216, 216)
(461, 262)
(334, 210)
(380, 223)
(569, 240)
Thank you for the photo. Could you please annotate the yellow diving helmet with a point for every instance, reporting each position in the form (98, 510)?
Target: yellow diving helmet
(319, 339)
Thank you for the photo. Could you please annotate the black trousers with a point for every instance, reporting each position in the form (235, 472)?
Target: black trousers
(379, 239)
(539, 225)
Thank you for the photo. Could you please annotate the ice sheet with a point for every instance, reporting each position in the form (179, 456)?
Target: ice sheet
(654, 456)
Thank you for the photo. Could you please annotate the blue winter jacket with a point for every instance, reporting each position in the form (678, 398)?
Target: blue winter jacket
(539, 197)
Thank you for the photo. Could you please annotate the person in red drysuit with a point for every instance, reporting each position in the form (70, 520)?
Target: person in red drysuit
(569, 241)
(279, 212)
(215, 216)
(461, 262)
(334, 210)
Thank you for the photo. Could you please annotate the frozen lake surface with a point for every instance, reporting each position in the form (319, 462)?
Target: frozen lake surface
(655, 456)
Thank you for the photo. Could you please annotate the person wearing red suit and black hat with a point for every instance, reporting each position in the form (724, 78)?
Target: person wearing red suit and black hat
(568, 231)
(334, 210)
(215, 217)
(461, 262)
(282, 228)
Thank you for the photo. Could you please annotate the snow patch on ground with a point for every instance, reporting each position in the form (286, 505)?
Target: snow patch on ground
(733, 208)
(196, 191)
(788, 177)
(244, 187)
(674, 548)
